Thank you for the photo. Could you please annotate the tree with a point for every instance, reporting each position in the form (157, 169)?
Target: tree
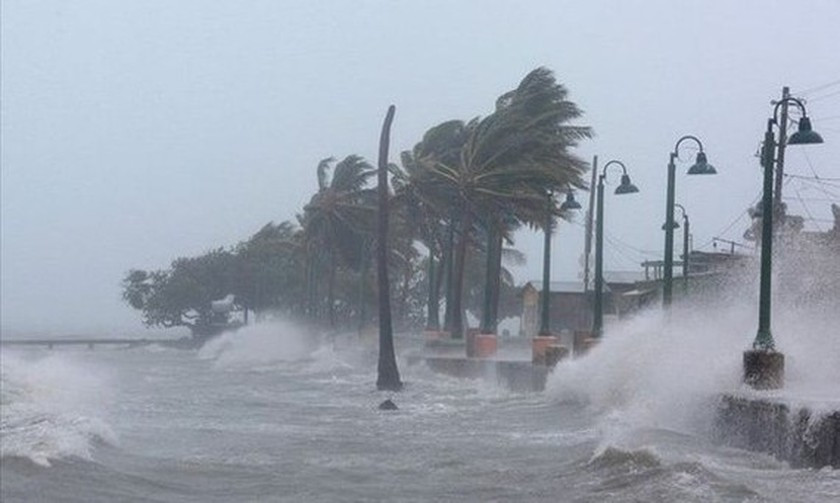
(183, 294)
(269, 270)
(335, 221)
(507, 163)
(388, 375)
(426, 202)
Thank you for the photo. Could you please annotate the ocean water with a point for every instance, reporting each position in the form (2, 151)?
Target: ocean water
(269, 414)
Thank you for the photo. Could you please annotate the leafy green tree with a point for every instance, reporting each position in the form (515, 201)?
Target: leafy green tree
(269, 270)
(183, 295)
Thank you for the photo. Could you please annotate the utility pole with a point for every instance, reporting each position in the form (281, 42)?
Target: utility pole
(780, 157)
(587, 247)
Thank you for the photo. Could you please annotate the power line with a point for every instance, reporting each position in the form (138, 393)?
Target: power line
(731, 224)
(818, 88)
(803, 177)
(807, 210)
(811, 167)
(631, 247)
(812, 199)
(829, 95)
(820, 186)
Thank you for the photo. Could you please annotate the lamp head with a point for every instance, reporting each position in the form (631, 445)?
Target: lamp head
(674, 225)
(805, 135)
(570, 203)
(626, 186)
(701, 166)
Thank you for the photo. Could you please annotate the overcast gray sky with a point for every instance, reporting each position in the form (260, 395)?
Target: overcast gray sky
(134, 132)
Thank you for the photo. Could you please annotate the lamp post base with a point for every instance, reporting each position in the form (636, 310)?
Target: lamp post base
(764, 369)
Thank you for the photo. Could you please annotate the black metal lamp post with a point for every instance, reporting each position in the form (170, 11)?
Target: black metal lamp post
(686, 234)
(700, 167)
(568, 204)
(763, 365)
(626, 187)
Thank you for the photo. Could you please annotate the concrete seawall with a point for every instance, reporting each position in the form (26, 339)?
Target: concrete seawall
(791, 433)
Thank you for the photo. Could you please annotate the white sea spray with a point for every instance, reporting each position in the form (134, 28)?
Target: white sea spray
(53, 408)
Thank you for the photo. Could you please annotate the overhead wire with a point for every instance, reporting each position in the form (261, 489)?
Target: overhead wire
(818, 88)
(803, 177)
(807, 210)
(824, 96)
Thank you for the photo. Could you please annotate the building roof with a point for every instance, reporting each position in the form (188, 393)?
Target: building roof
(560, 286)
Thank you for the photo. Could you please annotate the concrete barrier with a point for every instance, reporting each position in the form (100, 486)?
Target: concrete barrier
(485, 345)
(539, 346)
(791, 433)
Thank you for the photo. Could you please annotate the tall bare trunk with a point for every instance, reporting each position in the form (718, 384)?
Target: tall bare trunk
(388, 375)
(458, 274)
(432, 315)
(448, 258)
(492, 285)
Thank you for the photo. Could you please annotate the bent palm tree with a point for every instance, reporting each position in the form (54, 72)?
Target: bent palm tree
(508, 162)
(334, 222)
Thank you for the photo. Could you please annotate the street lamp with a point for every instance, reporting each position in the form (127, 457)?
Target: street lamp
(686, 234)
(701, 166)
(625, 187)
(763, 365)
(568, 204)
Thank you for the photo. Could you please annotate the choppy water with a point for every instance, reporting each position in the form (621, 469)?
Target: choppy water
(263, 415)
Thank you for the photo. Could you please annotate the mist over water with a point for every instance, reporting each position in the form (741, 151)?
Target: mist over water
(261, 344)
(269, 414)
(278, 412)
(658, 370)
(52, 408)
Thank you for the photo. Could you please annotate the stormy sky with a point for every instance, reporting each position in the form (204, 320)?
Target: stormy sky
(134, 132)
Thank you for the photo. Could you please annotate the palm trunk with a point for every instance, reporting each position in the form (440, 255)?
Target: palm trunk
(388, 377)
(433, 316)
(362, 307)
(458, 274)
(331, 290)
(448, 256)
(311, 286)
(490, 321)
(487, 309)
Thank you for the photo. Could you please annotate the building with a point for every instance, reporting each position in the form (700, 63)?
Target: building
(571, 305)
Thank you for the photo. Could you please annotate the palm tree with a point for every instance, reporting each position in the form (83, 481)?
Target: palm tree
(334, 222)
(268, 268)
(507, 163)
(422, 201)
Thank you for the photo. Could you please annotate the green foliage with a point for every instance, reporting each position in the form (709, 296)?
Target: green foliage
(484, 177)
(182, 294)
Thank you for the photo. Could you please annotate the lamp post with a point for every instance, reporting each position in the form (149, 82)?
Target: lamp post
(686, 234)
(568, 204)
(624, 188)
(700, 167)
(763, 365)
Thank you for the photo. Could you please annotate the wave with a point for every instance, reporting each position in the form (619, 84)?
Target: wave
(652, 374)
(261, 345)
(661, 372)
(52, 408)
(613, 458)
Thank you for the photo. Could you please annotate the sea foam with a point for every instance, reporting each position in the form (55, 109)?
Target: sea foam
(52, 408)
(261, 344)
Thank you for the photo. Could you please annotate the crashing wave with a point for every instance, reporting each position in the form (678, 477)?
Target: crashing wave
(51, 410)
